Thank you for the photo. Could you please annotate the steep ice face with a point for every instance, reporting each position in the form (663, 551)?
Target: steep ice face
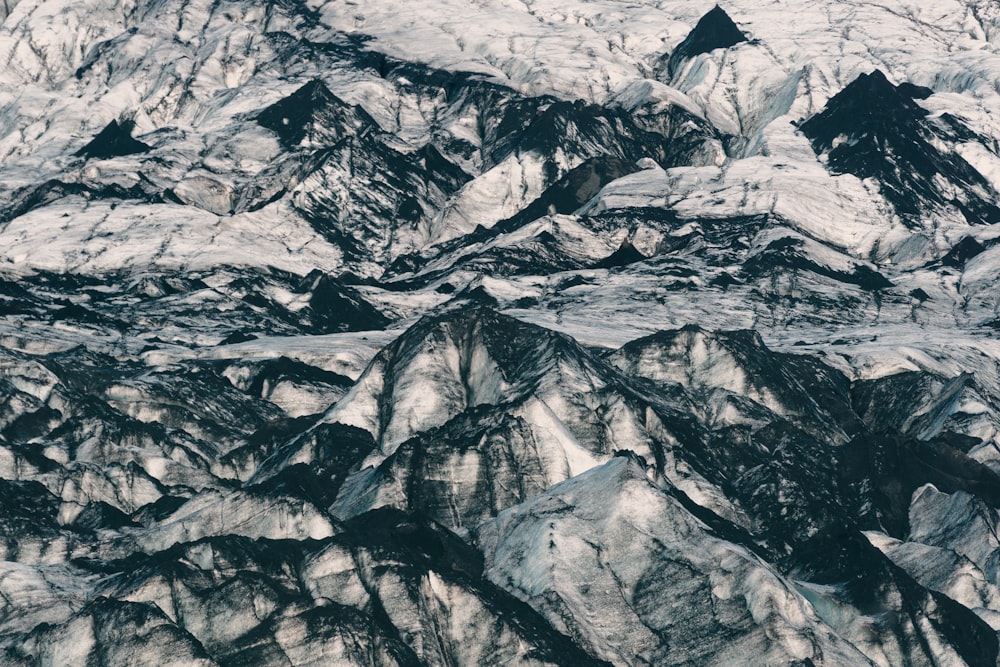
(598, 553)
(470, 469)
(384, 587)
(111, 631)
(958, 520)
(483, 366)
(770, 442)
(550, 412)
(421, 381)
(472, 357)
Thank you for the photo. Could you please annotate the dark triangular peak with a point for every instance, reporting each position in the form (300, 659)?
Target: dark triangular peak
(715, 30)
(869, 106)
(335, 307)
(313, 112)
(874, 129)
(114, 140)
(625, 254)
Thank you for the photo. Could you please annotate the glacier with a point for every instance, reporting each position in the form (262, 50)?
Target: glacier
(552, 332)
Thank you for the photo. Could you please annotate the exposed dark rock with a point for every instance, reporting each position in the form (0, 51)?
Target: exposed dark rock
(873, 129)
(113, 141)
(962, 252)
(33, 197)
(625, 254)
(671, 138)
(100, 515)
(870, 583)
(362, 192)
(327, 451)
(714, 30)
(785, 254)
(237, 337)
(313, 112)
(336, 307)
(569, 193)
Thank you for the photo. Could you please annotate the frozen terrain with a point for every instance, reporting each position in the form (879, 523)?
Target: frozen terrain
(499, 332)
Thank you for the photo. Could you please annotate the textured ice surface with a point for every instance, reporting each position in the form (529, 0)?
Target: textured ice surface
(599, 553)
(308, 307)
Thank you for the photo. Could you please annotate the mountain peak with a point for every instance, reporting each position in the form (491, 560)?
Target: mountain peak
(313, 112)
(113, 141)
(874, 129)
(715, 30)
(868, 106)
(511, 333)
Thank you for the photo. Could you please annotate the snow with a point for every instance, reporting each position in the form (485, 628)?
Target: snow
(297, 400)
(958, 522)
(95, 237)
(344, 353)
(38, 594)
(194, 74)
(563, 455)
(212, 513)
(547, 552)
(332, 574)
(497, 194)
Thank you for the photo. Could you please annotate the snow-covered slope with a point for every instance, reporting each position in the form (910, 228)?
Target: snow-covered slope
(544, 332)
